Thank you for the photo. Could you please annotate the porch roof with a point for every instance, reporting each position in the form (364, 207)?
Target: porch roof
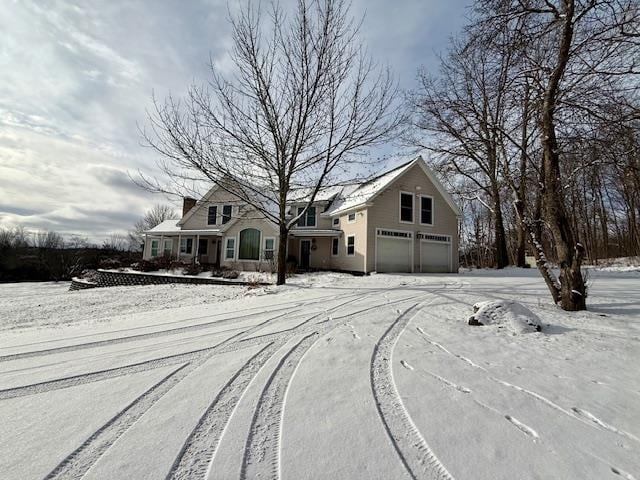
(175, 233)
(312, 232)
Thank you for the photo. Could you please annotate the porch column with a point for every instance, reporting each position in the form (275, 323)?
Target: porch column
(179, 243)
(144, 247)
(197, 247)
(161, 246)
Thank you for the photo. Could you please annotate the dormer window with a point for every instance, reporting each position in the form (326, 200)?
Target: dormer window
(226, 213)
(212, 215)
(308, 219)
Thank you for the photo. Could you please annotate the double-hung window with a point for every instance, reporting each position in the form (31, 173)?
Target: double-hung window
(186, 245)
(406, 207)
(230, 248)
(166, 249)
(226, 213)
(269, 247)
(426, 210)
(308, 219)
(154, 247)
(212, 217)
(335, 246)
(351, 245)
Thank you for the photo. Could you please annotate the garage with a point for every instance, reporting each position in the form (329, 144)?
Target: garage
(394, 251)
(435, 253)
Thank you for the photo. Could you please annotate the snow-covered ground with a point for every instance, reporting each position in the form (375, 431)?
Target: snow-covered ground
(330, 377)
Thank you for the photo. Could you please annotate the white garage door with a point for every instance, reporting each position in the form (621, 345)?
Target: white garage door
(393, 253)
(435, 254)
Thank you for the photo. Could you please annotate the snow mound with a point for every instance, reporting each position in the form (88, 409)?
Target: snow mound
(512, 315)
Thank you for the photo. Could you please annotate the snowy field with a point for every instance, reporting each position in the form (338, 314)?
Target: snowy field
(331, 377)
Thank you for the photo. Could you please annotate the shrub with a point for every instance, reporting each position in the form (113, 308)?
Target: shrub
(230, 274)
(148, 266)
(192, 268)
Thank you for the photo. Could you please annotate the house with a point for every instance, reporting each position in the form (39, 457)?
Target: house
(400, 221)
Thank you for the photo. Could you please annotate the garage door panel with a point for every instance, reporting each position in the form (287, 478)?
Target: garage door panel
(393, 255)
(435, 257)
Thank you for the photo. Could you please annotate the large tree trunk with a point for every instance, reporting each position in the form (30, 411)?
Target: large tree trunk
(283, 239)
(569, 253)
(502, 255)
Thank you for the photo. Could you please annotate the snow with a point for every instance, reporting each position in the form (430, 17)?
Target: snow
(512, 315)
(167, 226)
(330, 376)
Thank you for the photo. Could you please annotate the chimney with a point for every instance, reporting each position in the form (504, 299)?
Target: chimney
(187, 204)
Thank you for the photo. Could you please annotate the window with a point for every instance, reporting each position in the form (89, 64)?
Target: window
(226, 213)
(168, 244)
(351, 245)
(269, 247)
(249, 244)
(336, 221)
(308, 219)
(154, 247)
(352, 217)
(335, 246)
(230, 248)
(186, 245)
(406, 207)
(426, 210)
(203, 246)
(212, 217)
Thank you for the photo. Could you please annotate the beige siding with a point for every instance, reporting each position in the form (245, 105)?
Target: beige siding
(198, 220)
(358, 228)
(385, 213)
(267, 229)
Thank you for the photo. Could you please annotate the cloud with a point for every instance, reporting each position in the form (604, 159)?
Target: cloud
(70, 109)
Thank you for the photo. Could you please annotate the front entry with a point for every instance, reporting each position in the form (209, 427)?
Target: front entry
(305, 252)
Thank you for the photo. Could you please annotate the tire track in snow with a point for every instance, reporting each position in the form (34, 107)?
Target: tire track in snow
(527, 430)
(231, 344)
(76, 464)
(414, 452)
(128, 338)
(262, 450)
(199, 450)
(228, 345)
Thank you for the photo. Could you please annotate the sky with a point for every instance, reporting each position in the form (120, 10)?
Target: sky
(77, 78)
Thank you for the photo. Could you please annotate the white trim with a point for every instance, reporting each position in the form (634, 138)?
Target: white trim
(335, 222)
(433, 216)
(164, 242)
(300, 251)
(235, 249)
(347, 245)
(335, 239)
(315, 216)
(413, 207)
(215, 218)
(410, 238)
(157, 248)
(355, 217)
(264, 248)
(259, 245)
(449, 243)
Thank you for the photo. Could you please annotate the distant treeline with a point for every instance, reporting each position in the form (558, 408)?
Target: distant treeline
(47, 256)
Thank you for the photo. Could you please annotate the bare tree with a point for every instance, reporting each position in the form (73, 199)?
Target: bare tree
(116, 242)
(303, 105)
(152, 218)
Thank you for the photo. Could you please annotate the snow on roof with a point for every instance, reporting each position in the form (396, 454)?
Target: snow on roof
(301, 195)
(167, 226)
(354, 195)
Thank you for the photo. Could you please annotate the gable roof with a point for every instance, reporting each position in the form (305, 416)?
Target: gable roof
(361, 194)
